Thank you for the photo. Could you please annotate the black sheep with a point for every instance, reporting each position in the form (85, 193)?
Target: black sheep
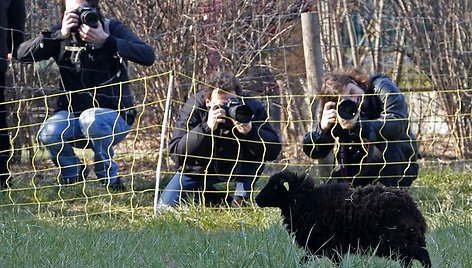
(332, 219)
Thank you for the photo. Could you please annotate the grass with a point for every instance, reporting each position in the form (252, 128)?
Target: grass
(114, 234)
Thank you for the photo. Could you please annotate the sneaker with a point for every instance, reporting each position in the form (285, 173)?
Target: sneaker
(238, 202)
(84, 172)
(114, 184)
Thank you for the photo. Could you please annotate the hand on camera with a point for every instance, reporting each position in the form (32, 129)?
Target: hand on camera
(69, 21)
(243, 128)
(347, 124)
(216, 116)
(93, 35)
(329, 115)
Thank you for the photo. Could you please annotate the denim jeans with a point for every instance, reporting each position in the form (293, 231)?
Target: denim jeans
(177, 188)
(101, 127)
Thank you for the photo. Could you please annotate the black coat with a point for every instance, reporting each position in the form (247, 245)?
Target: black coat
(391, 159)
(98, 67)
(198, 153)
(12, 16)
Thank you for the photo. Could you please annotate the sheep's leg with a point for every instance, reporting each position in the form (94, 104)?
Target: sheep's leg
(405, 261)
(417, 253)
(422, 255)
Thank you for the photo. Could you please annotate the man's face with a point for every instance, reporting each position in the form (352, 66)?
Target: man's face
(218, 98)
(72, 5)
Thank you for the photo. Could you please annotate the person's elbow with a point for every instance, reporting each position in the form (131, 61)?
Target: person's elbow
(148, 56)
(150, 59)
(21, 54)
(308, 149)
(393, 131)
(315, 151)
(273, 151)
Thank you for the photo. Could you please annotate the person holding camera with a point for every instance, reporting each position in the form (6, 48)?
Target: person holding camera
(96, 109)
(365, 120)
(219, 137)
(12, 26)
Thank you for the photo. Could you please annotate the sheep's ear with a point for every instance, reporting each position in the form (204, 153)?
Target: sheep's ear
(286, 186)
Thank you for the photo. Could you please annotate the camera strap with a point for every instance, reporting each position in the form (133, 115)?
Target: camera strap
(70, 45)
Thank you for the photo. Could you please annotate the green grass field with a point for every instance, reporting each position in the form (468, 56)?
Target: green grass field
(208, 237)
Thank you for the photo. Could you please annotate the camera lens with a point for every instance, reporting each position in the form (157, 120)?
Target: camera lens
(90, 18)
(347, 109)
(238, 111)
(242, 113)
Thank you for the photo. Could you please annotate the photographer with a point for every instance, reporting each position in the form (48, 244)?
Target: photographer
(367, 117)
(91, 51)
(12, 26)
(217, 138)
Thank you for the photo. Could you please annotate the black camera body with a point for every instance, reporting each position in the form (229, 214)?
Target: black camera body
(87, 15)
(238, 111)
(347, 109)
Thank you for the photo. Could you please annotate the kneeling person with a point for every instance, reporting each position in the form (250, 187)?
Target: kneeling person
(210, 145)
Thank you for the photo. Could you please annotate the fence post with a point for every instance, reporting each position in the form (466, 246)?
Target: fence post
(314, 74)
(163, 140)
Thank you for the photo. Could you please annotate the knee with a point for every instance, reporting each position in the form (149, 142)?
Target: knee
(49, 134)
(89, 124)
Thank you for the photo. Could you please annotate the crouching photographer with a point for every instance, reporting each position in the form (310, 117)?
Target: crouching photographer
(91, 53)
(364, 119)
(219, 137)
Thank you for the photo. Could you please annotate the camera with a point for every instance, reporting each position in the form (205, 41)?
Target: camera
(87, 15)
(237, 111)
(347, 109)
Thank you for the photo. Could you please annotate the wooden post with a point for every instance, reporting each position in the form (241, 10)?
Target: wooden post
(314, 75)
(163, 140)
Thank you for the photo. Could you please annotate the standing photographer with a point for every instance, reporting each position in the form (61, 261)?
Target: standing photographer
(91, 51)
(217, 139)
(367, 116)
(12, 26)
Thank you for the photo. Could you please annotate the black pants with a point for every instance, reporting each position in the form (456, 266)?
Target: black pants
(4, 137)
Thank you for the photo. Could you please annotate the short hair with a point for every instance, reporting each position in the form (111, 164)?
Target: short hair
(225, 81)
(93, 3)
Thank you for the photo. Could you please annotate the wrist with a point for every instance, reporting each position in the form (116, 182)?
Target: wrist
(206, 128)
(103, 39)
(64, 34)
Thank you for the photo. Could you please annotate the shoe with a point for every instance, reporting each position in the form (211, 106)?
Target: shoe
(238, 202)
(83, 174)
(114, 184)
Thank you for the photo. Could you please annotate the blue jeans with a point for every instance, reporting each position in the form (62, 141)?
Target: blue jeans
(102, 127)
(178, 187)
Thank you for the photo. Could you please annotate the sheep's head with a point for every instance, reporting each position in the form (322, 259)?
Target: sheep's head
(278, 192)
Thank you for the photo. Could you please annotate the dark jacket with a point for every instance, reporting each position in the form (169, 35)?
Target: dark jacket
(12, 16)
(198, 153)
(390, 158)
(98, 67)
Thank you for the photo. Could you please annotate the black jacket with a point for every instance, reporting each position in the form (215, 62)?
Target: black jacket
(198, 153)
(12, 16)
(98, 67)
(390, 158)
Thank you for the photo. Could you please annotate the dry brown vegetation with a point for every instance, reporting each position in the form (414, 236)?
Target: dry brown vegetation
(423, 45)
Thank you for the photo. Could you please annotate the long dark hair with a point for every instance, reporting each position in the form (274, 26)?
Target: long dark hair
(94, 3)
(335, 82)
